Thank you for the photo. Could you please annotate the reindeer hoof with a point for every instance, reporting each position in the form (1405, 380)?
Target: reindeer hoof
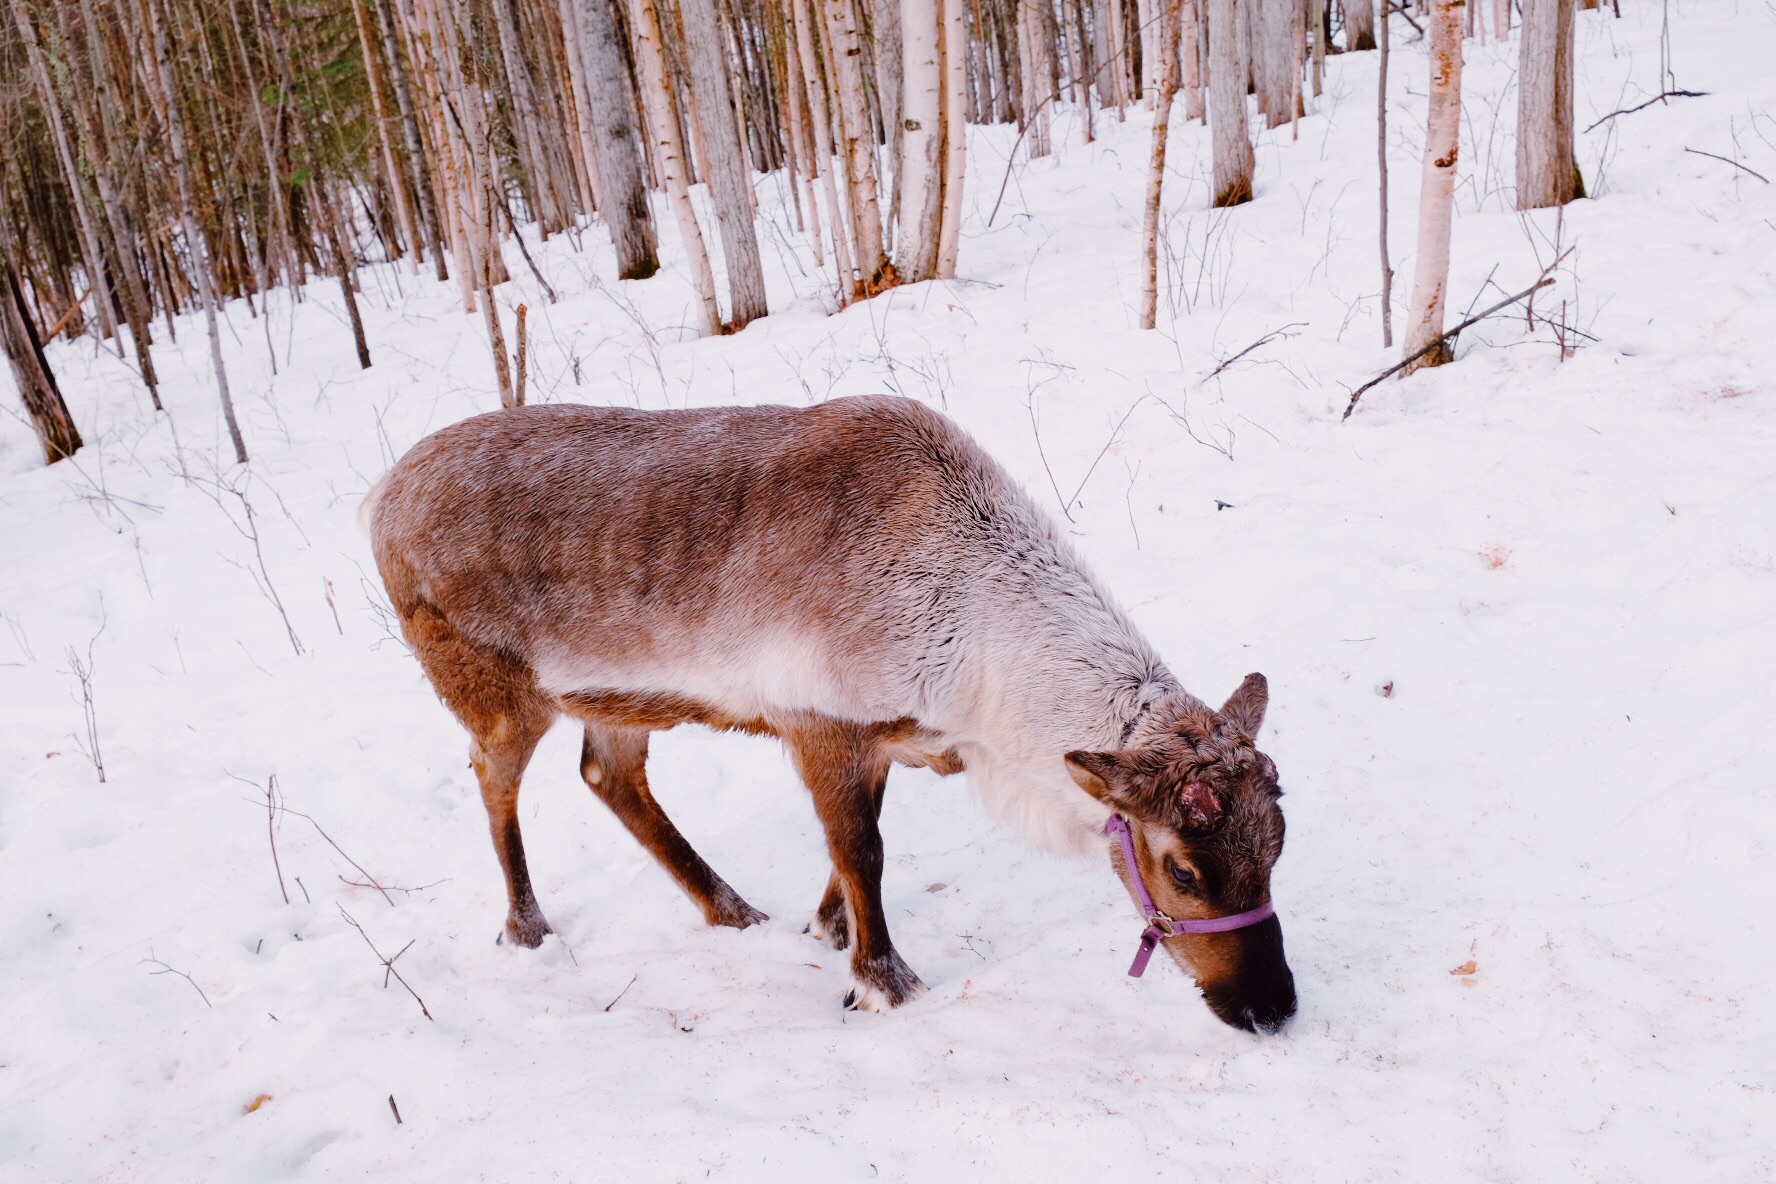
(527, 931)
(884, 984)
(829, 930)
(729, 910)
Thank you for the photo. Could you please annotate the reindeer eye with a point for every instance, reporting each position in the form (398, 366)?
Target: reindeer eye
(1183, 878)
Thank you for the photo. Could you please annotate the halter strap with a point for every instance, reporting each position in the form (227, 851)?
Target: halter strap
(1160, 926)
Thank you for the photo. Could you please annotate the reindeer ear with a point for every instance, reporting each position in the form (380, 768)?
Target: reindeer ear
(1244, 708)
(1095, 773)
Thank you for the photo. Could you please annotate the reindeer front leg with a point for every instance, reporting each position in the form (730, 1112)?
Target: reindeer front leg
(845, 772)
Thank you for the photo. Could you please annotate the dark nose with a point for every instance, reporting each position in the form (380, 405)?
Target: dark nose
(1262, 996)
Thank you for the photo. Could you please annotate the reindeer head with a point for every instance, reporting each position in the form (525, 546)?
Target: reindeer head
(1200, 802)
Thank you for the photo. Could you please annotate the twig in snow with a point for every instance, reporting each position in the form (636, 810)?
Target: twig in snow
(393, 887)
(283, 809)
(396, 1109)
(1114, 433)
(165, 969)
(328, 585)
(236, 487)
(388, 965)
(83, 670)
(1541, 282)
(1268, 337)
(271, 785)
(1731, 161)
(1659, 98)
(622, 992)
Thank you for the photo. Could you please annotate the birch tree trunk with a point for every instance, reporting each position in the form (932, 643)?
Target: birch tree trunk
(1436, 193)
(194, 242)
(953, 51)
(922, 153)
(1547, 174)
(37, 387)
(1190, 46)
(656, 92)
(725, 168)
(428, 198)
(815, 93)
(858, 148)
(1231, 136)
(1359, 24)
(1168, 87)
(617, 141)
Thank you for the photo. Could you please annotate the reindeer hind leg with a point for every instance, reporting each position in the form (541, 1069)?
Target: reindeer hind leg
(613, 761)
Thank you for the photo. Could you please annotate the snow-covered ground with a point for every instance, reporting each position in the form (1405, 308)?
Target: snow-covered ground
(1518, 614)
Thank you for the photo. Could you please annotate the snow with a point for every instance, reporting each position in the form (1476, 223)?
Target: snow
(1562, 571)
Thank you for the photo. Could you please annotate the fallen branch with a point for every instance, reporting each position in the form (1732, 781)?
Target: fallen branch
(388, 964)
(165, 969)
(283, 809)
(1670, 94)
(622, 992)
(271, 832)
(62, 323)
(1542, 282)
(1731, 161)
(1264, 340)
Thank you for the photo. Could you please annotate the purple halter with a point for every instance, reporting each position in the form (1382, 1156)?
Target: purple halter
(1160, 926)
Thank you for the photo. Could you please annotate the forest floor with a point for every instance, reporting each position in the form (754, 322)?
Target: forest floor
(1518, 616)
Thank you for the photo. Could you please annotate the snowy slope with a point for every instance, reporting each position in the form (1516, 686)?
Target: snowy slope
(1565, 571)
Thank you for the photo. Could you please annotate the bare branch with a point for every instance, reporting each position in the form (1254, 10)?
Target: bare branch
(1731, 161)
(388, 966)
(1659, 98)
(151, 960)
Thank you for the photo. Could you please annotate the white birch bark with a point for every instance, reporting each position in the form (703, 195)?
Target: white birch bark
(1436, 193)
(1190, 47)
(1168, 86)
(814, 92)
(1230, 134)
(858, 146)
(953, 51)
(616, 140)
(650, 61)
(725, 168)
(1547, 174)
(1359, 24)
(922, 153)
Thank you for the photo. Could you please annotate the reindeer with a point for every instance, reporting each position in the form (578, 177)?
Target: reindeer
(861, 580)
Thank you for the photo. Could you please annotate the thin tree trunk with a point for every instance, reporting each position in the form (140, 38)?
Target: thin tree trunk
(815, 92)
(1430, 270)
(101, 139)
(1190, 46)
(1162, 118)
(37, 387)
(953, 50)
(1231, 147)
(656, 92)
(616, 140)
(428, 198)
(874, 272)
(397, 181)
(1381, 150)
(90, 246)
(725, 168)
(1547, 173)
(1359, 24)
(199, 250)
(922, 152)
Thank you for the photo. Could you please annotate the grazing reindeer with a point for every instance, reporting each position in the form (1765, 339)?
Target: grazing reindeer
(862, 581)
